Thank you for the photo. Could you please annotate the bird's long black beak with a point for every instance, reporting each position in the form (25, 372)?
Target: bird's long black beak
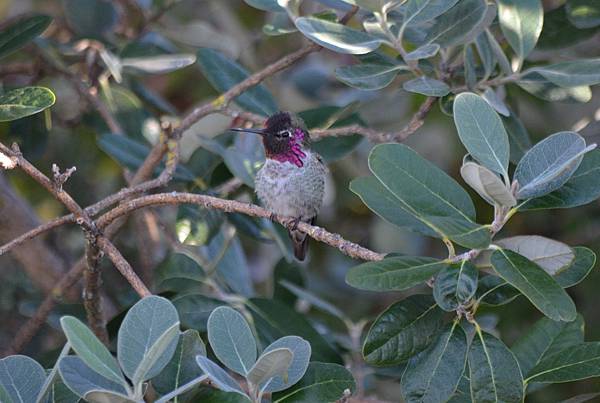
(241, 129)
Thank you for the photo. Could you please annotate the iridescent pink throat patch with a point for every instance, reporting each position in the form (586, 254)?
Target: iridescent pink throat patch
(295, 154)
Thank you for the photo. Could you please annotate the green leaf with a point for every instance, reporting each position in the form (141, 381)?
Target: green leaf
(521, 22)
(499, 54)
(494, 291)
(487, 184)
(102, 396)
(552, 256)
(486, 54)
(419, 11)
(494, 371)
(216, 374)
(223, 74)
(21, 379)
(538, 85)
(131, 154)
(402, 330)
(583, 263)
(427, 86)
(270, 364)
(571, 364)
(232, 265)
(545, 338)
(301, 356)
(469, 68)
(323, 383)
(572, 73)
(21, 32)
(558, 31)
(394, 273)
(159, 64)
(46, 391)
(428, 193)
(265, 5)
(518, 137)
(368, 76)
(337, 37)
(423, 52)
(537, 285)
(583, 13)
(582, 188)
(481, 131)
(97, 18)
(182, 368)
(274, 319)
(194, 310)
(81, 379)
(22, 102)
(383, 202)
(331, 148)
(495, 101)
(91, 351)
(453, 27)
(212, 395)
(231, 339)
(455, 285)
(433, 375)
(549, 164)
(147, 338)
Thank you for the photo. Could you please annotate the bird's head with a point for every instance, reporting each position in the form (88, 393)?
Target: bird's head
(284, 137)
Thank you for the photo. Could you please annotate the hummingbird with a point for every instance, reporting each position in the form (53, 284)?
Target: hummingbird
(291, 183)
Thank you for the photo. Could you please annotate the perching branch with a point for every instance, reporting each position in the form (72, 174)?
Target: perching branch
(320, 234)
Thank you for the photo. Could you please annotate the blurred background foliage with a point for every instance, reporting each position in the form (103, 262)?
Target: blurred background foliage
(249, 250)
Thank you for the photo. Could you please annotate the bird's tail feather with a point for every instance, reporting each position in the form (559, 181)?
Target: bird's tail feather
(300, 241)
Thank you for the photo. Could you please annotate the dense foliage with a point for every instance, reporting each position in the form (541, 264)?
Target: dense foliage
(115, 88)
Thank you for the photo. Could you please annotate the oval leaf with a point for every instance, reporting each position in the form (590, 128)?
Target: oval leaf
(368, 76)
(182, 368)
(455, 285)
(427, 193)
(21, 378)
(549, 164)
(453, 28)
(394, 273)
(93, 353)
(81, 379)
(418, 11)
(572, 73)
(583, 13)
(582, 188)
(402, 330)
(433, 375)
(231, 339)
(521, 22)
(571, 364)
(270, 364)
(223, 74)
(20, 32)
(487, 184)
(583, 262)
(147, 338)
(550, 255)
(22, 102)
(494, 371)
(427, 86)
(537, 285)
(545, 338)
(322, 382)
(337, 37)
(158, 64)
(423, 52)
(301, 351)
(216, 374)
(481, 131)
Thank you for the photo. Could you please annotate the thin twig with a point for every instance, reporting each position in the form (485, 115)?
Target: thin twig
(320, 234)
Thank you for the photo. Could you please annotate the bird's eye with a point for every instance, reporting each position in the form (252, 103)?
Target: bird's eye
(284, 133)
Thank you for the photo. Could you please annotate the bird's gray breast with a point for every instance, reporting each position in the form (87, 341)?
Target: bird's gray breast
(292, 191)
